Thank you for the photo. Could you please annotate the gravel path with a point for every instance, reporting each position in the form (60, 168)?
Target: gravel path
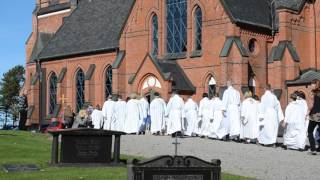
(240, 159)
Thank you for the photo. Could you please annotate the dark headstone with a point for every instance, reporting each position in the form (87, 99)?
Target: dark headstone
(85, 146)
(89, 149)
(174, 168)
(20, 167)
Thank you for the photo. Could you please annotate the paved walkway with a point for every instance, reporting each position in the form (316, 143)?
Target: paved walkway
(240, 159)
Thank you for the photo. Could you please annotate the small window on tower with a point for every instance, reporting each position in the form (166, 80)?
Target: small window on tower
(53, 2)
(253, 46)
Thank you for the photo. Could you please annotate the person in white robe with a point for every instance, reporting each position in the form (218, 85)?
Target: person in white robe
(97, 118)
(157, 113)
(272, 115)
(175, 114)
(191, 113)
(145, 124)
(120, 112)
(249, 118)
(231, 101)
(294, 123)
(205, 115)
(134, 115)
(218, 109)
(301, 99)
(107, 112)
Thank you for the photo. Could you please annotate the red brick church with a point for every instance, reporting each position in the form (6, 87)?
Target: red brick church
(84, 50)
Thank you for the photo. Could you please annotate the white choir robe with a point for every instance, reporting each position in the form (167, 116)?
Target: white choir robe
(134, 115)
(145, 113)
(191, 112)
(231, 101)
(107, 112)
(294, 134)
(250, 118)
(304, 104)
(206, 115)
(97, 119)
(120, 112)
(157, 113)
(218, 109)
(272, 115)
(175, 114)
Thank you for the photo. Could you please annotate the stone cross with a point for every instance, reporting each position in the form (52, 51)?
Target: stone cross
(176, 143)
(63, 100)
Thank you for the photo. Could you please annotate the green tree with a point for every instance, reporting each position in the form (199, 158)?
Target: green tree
(10, 86)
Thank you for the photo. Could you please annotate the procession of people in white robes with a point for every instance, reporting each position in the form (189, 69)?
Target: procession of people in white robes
(250, 121)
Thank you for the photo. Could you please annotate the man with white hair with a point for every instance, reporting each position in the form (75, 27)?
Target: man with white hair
(107, 112)
(175, 114)
(134, 115)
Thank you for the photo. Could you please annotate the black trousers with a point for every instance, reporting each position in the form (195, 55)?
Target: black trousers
(311, 127)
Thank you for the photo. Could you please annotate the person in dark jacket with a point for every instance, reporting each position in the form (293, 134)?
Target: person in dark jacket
(314, 115)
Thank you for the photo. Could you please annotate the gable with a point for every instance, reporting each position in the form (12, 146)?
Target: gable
(277, 52)
(228, 44)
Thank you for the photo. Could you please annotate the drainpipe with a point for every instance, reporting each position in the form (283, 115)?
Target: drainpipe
(40, 92)
(315, 34)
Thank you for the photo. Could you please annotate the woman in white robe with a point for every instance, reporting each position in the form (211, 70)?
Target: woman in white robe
(134, 115)
(294, 134)
(218, 109)
(249, 118)
(120, 112)
(206, 115)
(157, 113)
(175, 114)
(272, 115)
(97, 118)
(191, 112)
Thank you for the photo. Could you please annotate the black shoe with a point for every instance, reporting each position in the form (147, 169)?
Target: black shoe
(312, 153)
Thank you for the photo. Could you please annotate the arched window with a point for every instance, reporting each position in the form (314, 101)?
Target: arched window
(52, 93)
(79, 89)
(155, 39)
(176, 26)
(212, 87)
(108, 82)
(198, 29)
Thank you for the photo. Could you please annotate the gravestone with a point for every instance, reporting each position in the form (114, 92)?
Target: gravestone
(85, 146)
(174, 168)
(20, 167)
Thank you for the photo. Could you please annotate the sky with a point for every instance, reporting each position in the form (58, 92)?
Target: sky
(15, 28)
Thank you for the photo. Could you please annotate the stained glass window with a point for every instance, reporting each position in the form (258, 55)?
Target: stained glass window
(155, 39)
(80, 89)
(52, 92)
(176, 26)
(108, 82)
(198, 28)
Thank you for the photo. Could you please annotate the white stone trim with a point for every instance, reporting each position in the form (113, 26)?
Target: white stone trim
(54, 13)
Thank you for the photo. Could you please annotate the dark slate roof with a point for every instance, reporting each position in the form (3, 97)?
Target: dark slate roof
(169, 70)
(277, 52)
(180, 81)
(53, 8)
(94, 26)
(250, 12)
(305, 78)
(294, 5)
(228, 45)
(42, 41)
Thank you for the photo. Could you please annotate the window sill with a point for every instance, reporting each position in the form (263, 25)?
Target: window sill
(175, 56)
(196, 53)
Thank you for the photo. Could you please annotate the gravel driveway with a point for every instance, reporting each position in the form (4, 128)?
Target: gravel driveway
(240, 159)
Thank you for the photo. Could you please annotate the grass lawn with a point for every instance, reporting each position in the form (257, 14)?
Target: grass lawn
(18, 147)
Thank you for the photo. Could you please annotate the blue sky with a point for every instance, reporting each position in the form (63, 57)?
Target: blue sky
(15, 27)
